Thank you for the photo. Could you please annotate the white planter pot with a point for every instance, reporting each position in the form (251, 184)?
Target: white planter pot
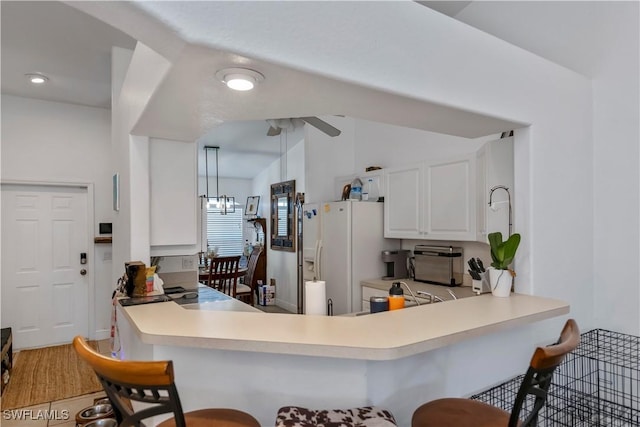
(500, 281)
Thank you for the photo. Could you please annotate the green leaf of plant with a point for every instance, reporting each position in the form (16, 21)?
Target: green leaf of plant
(503, 253)
(495, 240)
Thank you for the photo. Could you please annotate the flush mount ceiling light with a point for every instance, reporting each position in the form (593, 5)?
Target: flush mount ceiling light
(36, 79)
(239, 78)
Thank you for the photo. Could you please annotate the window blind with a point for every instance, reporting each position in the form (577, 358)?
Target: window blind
(225, 231)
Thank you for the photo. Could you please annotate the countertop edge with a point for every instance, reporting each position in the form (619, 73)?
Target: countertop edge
(302, 341)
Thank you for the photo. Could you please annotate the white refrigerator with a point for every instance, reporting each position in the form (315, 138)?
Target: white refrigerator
(342, 245)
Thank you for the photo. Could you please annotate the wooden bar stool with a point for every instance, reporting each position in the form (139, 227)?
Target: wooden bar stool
(533, 390)
(153, 383)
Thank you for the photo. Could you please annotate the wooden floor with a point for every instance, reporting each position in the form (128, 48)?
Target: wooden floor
(59, 413)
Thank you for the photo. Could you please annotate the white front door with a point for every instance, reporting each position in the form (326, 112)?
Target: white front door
(45, 295)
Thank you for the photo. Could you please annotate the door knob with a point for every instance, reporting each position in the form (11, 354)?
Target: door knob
(83, 272)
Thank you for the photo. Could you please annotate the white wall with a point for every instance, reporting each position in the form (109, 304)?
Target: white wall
(616, 170)
(281, 265)
(56, 142)
(137, 75)
(379, 144)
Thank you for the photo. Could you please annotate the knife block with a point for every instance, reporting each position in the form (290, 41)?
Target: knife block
(481, 286)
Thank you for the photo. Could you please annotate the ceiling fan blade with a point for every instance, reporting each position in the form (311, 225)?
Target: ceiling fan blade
(322, 126)
(273, 131)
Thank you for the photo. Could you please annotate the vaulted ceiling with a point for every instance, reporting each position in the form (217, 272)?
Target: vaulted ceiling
(73, 50)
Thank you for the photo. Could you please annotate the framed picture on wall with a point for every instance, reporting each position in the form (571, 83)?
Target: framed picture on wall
(252, 205)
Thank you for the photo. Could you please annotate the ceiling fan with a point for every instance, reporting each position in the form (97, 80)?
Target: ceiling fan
(276, 125)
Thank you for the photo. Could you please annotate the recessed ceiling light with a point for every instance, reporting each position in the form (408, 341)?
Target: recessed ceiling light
(37, 79)
(239, 78)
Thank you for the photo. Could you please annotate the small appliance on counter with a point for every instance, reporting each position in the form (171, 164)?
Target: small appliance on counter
(438, 265)
(395, 264)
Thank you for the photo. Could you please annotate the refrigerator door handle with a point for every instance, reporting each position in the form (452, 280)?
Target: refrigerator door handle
(317, 266)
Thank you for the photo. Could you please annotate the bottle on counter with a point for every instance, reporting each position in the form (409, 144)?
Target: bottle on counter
(247, 248)
(373, 192)
(396, 296)
(356, 189)
(365, 190)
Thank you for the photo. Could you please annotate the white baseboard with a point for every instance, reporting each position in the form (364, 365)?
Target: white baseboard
(101, 334)
(293, 308)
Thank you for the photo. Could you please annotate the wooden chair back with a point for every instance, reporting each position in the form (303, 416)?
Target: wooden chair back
(141, 381)
(251, 266)
(535, 385)
(223, 274)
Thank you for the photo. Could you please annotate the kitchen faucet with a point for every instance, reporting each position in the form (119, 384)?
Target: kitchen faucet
(411, 292)
(431, 296)
(502, 187)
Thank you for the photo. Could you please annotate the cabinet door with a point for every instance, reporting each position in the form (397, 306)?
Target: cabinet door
(403, 202)
(450, 203)
(173, 193)
(482, 194)
(495, 168)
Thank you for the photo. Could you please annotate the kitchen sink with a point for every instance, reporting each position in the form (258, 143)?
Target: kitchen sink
(408, 304)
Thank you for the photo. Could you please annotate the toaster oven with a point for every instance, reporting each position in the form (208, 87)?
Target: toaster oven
(439, 265)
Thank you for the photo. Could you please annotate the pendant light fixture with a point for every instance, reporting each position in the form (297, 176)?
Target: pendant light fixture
(224, 203)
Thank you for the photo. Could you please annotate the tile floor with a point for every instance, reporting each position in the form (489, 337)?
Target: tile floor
(62, 412)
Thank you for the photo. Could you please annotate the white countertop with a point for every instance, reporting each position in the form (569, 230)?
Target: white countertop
(398, 333)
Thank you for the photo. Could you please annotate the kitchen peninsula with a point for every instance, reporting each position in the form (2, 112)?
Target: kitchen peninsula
(258, 362)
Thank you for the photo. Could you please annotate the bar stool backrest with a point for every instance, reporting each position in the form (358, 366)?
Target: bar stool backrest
(537, 380)
(149, 382)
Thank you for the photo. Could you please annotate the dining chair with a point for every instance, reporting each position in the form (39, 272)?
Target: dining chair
(531, 396)
(152, 384)
(251, 288)
(223, 276)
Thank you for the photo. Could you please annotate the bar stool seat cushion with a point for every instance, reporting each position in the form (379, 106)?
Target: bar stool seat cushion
(366, 416)
(218, 417)
(453, 412)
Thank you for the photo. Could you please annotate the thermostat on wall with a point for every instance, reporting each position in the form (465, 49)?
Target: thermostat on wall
(105, 228)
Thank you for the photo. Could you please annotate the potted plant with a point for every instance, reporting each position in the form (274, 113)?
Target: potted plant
(502, 254)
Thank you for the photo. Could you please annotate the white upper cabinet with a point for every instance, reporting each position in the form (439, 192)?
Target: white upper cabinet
(173, 196)
(450, 199)
(495, 168)
(432, 200)
(403, 202)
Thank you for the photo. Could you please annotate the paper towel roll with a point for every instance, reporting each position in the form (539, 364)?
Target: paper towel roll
(315, 297)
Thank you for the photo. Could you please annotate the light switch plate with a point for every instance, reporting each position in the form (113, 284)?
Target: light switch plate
(188, 263)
